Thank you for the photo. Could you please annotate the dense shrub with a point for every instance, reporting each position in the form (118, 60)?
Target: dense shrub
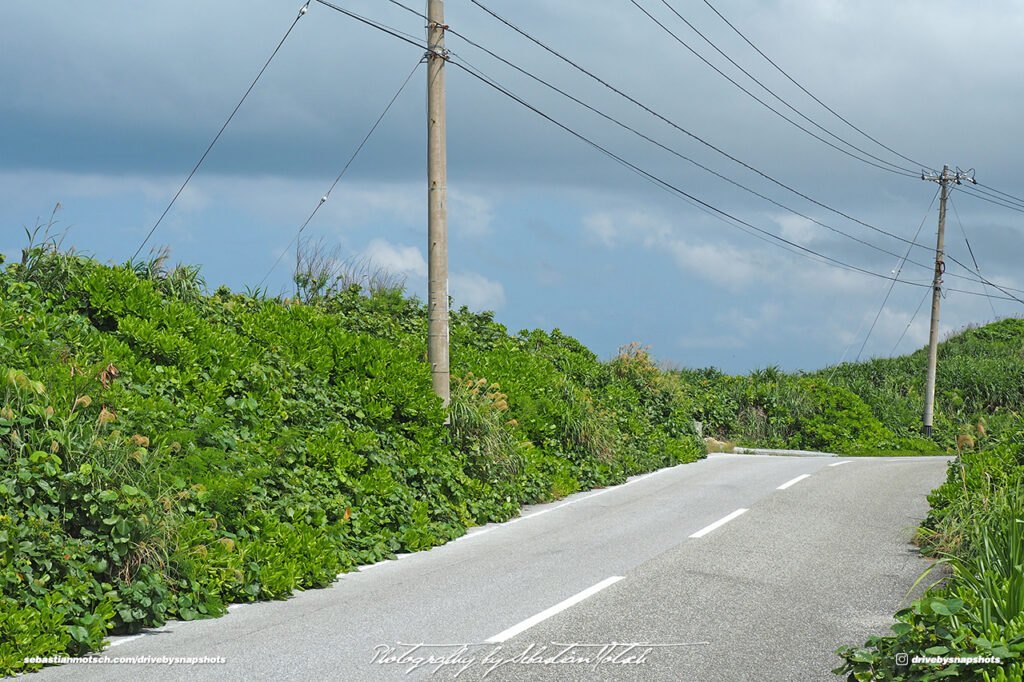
(164, 453)
(976, 527)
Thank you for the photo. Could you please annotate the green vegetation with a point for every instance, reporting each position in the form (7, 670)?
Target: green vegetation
(869, 408)
(164, 453)
(976, 527)
(980, 376)
(976, 522)
(769, 408)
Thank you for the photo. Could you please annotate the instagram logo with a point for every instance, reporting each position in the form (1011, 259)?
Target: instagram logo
(902, 659)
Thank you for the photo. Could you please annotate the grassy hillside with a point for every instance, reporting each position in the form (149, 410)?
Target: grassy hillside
(164, 452)
(976, 522)
(873, 407)
(980, 374)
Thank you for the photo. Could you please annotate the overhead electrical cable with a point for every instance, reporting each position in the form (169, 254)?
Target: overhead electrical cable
(327, 195)
(971, 252)
(1004, 194)
(682, 193)
(1004, 203)
(661, 182)
(985, 280)
(422, 16)
(992, 195)
(899, 268)
(912, 318)
(662, 146)
(412, 40)
(680, 155)
(890, 167)
(460, 63)
(252, 85)
(982, 278)
(690, 134)
(809, 93)
(780, 99)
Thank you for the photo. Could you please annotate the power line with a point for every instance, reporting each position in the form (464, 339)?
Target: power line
(912, 318)
(638, 170)
(687, 132)
(252, 85)
(991, 195)
(891, 285)
(686, 195)
(890, 167)
(984, 280)
(1008, 196)
(394, 32)
(779, 98)
(899, 268)
(971, 251)
(410, 10)
(809, 93)
(327, 195)
(680, 155)
(675, 152)
(992, 199)
(661, 182)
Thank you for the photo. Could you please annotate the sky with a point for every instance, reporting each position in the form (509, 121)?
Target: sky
(106, 107)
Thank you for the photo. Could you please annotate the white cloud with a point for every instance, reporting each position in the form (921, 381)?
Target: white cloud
(797, 229)
(722, 264)
(602, 227)
(405, 260)
(466, 288)
(469, 214)
(476, 291)
(612, 228)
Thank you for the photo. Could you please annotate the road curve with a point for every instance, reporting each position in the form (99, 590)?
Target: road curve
(738, 567)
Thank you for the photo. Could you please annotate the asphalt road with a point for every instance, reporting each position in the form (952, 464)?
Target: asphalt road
(819, 558)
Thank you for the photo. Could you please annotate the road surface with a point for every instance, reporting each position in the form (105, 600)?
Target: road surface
(737, 567)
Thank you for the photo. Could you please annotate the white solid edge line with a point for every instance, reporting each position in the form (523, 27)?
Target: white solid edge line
(793, 482)
(547, 613)
(484, 531)
(119, 642)
(841, 463)
(720, 522)
(590, 494)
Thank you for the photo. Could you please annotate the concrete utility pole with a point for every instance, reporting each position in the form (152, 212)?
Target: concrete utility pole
(940, 267)
(437, 204)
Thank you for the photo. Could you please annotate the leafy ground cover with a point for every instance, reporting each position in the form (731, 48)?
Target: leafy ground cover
(872, 407)
(164, 453)
(976, 522)
(975, 527)
(769, 408)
